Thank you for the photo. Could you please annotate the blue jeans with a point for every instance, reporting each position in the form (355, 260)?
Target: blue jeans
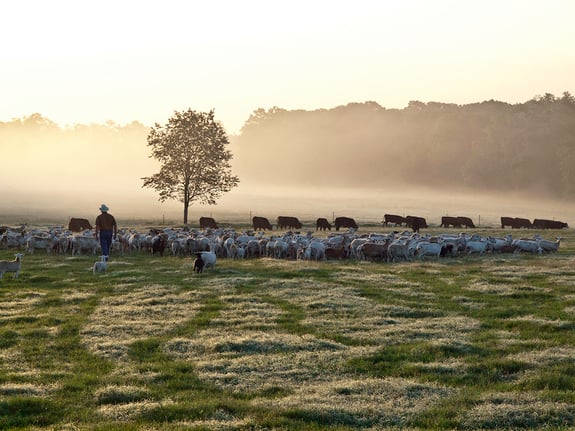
(106, 241)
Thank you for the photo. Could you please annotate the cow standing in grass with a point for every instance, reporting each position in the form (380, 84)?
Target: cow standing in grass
(261, 223)
(322, 224)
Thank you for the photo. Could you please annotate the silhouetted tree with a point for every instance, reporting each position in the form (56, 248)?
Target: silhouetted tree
(191, 149)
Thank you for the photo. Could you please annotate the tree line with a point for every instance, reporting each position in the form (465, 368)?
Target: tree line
(491, 145)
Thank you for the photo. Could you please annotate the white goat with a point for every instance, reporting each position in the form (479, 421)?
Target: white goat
(209, 258)
(549, 246)
(527, 245)
(101, 266)
(11, 265)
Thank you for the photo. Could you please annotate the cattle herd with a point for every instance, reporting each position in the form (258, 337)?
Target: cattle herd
(287, 242)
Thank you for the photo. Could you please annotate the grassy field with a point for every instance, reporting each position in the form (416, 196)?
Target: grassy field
(462, 343)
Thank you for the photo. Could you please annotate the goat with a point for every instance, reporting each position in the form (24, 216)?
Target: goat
(11, 266)
(426, 248)
(527, 245)
(101, 266)
(209, 258)
(398, 250)
(548, 246)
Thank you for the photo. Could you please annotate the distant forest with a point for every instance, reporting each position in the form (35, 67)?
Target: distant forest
(489, 146)
(492, 145)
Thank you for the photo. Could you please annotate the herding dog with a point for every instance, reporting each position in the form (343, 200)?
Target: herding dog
(199, 263)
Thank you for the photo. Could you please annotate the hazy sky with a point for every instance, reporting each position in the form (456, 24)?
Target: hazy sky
(90, 62)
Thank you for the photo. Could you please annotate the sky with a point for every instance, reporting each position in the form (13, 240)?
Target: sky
(80, 62)
(86, 62)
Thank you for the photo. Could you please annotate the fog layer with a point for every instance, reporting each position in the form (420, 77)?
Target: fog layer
(483, 160)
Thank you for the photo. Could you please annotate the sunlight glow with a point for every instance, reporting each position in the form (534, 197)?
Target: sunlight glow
(89, 63)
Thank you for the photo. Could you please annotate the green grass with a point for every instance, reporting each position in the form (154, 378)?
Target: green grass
(467, 343)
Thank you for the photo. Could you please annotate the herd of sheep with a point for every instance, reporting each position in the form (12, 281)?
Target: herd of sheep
(209, 244)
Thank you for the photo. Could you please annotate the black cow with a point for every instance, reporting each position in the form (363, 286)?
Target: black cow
(465, 221)
(208, 222)
(345, 222)
(507, 221)
(522, 222)
(79, 224)
(549, 224)
(415, 222)
(322, 224)
(397, 220)
(285, 222)
(261, 223)
(447, 221)
(516, 223)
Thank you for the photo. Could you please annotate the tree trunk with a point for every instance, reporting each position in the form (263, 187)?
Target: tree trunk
(186, 207)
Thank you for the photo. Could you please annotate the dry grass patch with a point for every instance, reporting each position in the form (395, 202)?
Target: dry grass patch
(289, 371)
(517, 411)
(508, 271)
(254, 360)
(246, 311)
(448, 367)
(545, 356)
(537, 320)
(27, 389)
(221, 344)
(130, 411)
(141, 313)
(19, 303)
(76, 295)
(483, 286)
(389, 401)
(222, 421)
(469, 303)
(505, 339)
(386, 279)
(15, 367)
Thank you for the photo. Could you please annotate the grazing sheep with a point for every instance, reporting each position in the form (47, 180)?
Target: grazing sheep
(11, 266)
(209, 258)
(101, 266)
(199, 263)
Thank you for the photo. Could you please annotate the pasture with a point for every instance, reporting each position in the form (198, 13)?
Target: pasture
(463, 343)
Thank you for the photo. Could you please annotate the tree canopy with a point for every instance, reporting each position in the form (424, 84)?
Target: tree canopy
(194, 160)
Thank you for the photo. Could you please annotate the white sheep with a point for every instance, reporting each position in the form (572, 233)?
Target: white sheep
(101, 266)
(11, 265)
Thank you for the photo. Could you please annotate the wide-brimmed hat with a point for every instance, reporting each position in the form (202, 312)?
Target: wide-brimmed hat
(104, 208)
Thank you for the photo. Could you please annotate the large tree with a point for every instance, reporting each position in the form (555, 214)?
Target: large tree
(194, 161)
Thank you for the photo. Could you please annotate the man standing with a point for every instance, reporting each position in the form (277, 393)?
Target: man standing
(106, 230)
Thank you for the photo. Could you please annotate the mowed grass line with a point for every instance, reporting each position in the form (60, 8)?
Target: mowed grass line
(468, 343)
